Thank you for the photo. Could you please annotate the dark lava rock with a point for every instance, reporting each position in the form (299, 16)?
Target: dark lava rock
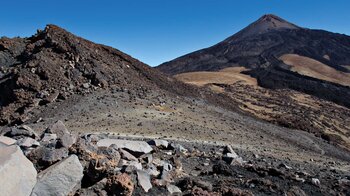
(236, 192)
(190, 183)
(101, 164)
(199, 192)
(121, 184)
(296, 191)
(224, 169)
(22, 131)
(97, 189)
(42, 157)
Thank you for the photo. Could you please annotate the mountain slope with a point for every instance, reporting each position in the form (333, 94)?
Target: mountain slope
(260, 44)
(259, 47)
(288, 75)
(55, 64)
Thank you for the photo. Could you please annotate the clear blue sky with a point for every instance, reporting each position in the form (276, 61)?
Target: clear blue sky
(155, 31)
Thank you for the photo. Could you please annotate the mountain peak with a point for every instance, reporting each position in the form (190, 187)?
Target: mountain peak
(274, 21)
(54, 29)
(266, 23)
(270, 17)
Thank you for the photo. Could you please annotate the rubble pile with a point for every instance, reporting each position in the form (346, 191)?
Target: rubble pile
(58, 162)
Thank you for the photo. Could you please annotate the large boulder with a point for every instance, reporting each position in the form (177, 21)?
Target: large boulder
(60, 179)
(137, 147)
(17, 173)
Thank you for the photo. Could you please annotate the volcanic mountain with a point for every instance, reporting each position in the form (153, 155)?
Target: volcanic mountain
(279, 72)
(279, 55)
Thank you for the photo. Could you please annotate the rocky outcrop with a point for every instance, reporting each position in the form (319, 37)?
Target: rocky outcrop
(17, 173)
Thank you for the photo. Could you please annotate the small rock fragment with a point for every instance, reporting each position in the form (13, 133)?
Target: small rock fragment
(178, 148)
(232, 158)
(159, 143)
(315, 182)
(196, 191)
(229, 149)
(50, 98)
(131, 165)
(86, 85)
(49, 137)
(23, 131)
(148, 158)
(27, 142)
(152, 170)
(65, 138)
(137, 147)
(127, 156)
(237, 191)
(167, 166)
(173, 189)
(144, 180)
(285, 166)
(94, 190)
(296, 191)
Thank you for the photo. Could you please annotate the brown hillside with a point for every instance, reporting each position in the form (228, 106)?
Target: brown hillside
(313, 68)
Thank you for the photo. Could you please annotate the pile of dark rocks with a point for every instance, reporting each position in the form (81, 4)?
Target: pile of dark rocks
(58, 162)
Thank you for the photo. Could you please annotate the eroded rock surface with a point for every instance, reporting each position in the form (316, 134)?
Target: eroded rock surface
(17, 173)
(60, 179)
